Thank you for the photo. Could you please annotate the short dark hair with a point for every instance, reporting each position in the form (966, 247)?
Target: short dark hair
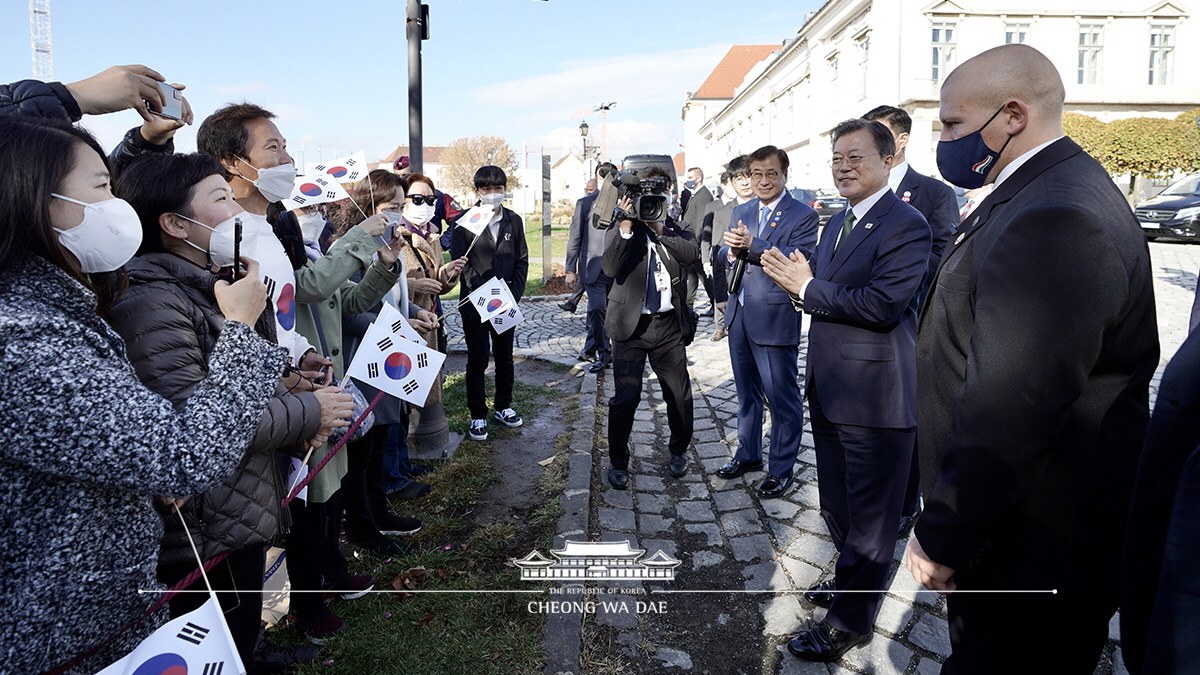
(767, 152)
(885, 143)
(655, 171)
(726, 176)
(155, 184)
(739, 166)
(606, 165)
(490, 176)
(696, 168)
(895, 118)
(223, 134)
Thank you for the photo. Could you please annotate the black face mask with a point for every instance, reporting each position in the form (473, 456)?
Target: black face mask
(966, 161)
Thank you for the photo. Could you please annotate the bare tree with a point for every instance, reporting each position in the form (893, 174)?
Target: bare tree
(464, 156)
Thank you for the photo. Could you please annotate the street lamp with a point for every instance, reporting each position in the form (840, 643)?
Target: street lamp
(583, 133)
(489, 157)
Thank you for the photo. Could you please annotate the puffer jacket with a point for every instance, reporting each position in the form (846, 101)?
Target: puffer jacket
(86, 445)
(35, 98)
(171, 322)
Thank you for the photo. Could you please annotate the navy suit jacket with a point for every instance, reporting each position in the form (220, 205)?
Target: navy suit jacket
(585, 244)
(936, 201)
(863, 300)
(769, 318)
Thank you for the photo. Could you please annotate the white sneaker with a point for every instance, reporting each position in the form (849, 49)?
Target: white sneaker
(509, 418)
(478, 430)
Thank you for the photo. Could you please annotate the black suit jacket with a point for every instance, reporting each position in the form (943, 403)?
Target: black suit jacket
(625, 263)
(1034, 357)
(585, 244)
(505, 257)
(1165, 507)
(935, 200)
(694, 215)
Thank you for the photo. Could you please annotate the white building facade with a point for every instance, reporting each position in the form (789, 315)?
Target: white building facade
(1118, 58)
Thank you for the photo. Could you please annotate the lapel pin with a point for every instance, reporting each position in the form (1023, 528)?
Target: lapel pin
(869, 225)
(960, 238)
(907, 196)
(975, 222)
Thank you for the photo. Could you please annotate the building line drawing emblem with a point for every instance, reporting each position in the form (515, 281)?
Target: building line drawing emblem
(597, 560)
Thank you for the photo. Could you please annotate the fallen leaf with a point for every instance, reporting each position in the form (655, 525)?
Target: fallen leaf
(425, 619)
(548, 461)
(410, 578)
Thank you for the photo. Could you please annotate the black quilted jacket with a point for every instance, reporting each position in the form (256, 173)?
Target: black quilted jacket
(171, 322)
(38, 99)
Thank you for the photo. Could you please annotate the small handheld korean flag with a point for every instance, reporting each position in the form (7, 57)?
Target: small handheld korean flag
(476, 220)
(491, 299)
(197, 642)
(508, 319)
(348, 169)
(391, 363)
(398, 325)
(318, 189)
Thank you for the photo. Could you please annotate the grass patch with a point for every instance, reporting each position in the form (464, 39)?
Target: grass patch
(437, 633)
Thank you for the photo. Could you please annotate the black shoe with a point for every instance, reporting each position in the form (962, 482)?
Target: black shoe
(349, 586)
(393, 525)
(706, 314)
(270, 658)
(821, 595)
(598, 366)
(418, 470)
(825, 643)
(382, 545)
(618, 478)
(907, 523)
(678, 466)
(567, 307)
(773, 487)
(413, 490)
(735, 468)
(584, 356)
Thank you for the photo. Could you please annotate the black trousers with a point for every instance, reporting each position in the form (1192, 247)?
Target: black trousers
(696, 276)
(861, 476)
(597, 341)
(313, 557)
(242, 571)
(363, 496)
(483, 341)
(658, 337)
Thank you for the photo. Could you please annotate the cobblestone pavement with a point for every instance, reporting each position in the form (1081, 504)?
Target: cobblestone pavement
(714, 525)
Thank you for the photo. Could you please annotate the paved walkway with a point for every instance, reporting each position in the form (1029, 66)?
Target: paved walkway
(726, 537)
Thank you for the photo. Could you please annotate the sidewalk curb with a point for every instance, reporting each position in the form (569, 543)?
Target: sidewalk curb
(564, 631)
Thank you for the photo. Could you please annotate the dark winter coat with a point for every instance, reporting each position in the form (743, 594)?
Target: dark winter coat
(38, 99)
(87, 447)
(171, 323)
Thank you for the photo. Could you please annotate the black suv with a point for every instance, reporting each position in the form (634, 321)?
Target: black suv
(825, 206)
(1174, 213)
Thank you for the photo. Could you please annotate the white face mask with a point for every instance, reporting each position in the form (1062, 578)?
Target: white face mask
(109, 235)
(220, 244)
(419, 214)
(311, 225)
(493, 199)
(274, 183)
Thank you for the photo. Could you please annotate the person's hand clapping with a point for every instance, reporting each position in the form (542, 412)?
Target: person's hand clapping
(789, 273)
(738, 239)
(245, 299)
(118, 88)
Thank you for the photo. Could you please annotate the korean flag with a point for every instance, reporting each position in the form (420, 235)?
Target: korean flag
(389, 361)
(349, 169)
(508, 319)
(197, 642)
(318, 189)
(491, 299)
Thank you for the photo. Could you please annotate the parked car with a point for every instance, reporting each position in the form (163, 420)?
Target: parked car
(1174, 213)
(825, 205)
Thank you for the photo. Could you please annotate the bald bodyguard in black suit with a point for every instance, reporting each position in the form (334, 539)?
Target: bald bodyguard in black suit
(1034, 358)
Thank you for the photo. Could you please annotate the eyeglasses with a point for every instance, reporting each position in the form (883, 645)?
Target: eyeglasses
(759, 175)
(851, 162)
(423, 199)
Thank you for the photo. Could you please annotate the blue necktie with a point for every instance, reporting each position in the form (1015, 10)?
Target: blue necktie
(653, 297)
(764, 215)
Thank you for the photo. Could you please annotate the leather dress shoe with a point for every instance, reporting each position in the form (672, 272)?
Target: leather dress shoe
(566, 307)
(825, 643)
(598, 366)
(584, 356)
(718, 336)
(618, 478)
(821, 595)
(735, 468)
(773, 486)
(678, 466)
(706, 314)
(907, 523)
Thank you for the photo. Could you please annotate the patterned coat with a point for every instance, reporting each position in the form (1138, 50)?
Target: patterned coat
(86, 447)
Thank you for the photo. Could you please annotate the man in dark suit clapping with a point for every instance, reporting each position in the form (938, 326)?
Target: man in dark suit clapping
(1034, 357)
(860, 379)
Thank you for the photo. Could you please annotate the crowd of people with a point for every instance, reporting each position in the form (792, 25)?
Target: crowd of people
(182, 340)
(982, 385)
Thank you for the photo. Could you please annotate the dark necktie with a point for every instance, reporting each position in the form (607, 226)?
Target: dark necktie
(653, 297)
(847, 225)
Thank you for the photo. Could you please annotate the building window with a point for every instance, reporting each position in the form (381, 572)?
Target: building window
(864, 48)
(943, 51)
(1162, 53)
(833, 71)
(1090, 44)
(1016, 34)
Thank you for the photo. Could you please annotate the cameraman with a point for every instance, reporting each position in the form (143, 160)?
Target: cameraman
(647, 317)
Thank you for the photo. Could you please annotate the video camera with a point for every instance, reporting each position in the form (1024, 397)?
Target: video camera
(648, 197)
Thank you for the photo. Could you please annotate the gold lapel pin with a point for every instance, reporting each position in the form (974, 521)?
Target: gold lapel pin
(960, 238)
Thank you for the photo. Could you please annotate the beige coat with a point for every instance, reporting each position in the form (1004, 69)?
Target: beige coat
(423, 259)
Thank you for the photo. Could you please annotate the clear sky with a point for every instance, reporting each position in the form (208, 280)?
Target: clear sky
(335, 73)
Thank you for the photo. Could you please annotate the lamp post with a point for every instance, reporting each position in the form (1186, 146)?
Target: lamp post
(489, 157)
(588, 150)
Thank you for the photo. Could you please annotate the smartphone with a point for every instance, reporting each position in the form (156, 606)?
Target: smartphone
(237, 248)
(173, 108)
